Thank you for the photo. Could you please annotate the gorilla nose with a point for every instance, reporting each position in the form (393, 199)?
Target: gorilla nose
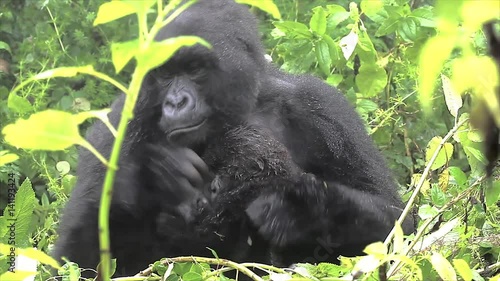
(178, 102)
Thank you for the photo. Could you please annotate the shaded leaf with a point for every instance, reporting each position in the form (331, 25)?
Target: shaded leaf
(371, 79)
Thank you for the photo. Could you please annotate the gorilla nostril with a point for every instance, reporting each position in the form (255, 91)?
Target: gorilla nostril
(183, 102)
(178, 101)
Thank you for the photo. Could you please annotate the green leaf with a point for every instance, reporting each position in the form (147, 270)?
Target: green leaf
(425, 16)
(366, 51)
(438, 197)
(492, 193)
(377, 248)
(334, 79)
(70, 271)
(444, 154)
(458, 175)
(6, 157)
(371, 79)
(318, 21)
(267, 6)
(371, 7)
(333, 47)
(18, 104)
(476, 13)
(452, 98)
(159, 52)
(432, 57)
(294, 29)
(64, 72)
(443, 267)
(113, 10)
(123, 52)
(192, 276)
(337, 14)
(45, 130)
(24, 206)
(5, 46)
(366, 106)
(427, 211)
(463, 269)
(407, 29)
(323, 55)
(388, 26)
(141, 7)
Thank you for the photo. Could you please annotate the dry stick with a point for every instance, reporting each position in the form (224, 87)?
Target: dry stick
(240, 267)
(421, 181)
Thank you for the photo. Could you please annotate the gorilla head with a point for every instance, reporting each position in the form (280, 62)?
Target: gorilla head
(201, 90)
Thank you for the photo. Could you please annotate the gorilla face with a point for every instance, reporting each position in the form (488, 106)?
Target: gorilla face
(183, 87)
(203, 91)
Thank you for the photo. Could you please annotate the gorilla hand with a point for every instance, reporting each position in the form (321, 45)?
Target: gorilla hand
(179, 172)
(283, 217)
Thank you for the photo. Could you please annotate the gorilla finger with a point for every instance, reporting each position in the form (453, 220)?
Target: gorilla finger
(200, 165)
(184, 191)
(192, 174)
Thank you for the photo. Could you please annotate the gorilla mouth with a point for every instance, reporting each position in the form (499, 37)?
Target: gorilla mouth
(184, 130)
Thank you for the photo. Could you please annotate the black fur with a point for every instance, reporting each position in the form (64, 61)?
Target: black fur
(295, 169)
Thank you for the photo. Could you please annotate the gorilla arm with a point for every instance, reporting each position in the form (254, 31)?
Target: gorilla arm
(347, 195)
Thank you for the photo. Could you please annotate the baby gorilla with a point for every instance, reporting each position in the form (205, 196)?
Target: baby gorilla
(247, 163)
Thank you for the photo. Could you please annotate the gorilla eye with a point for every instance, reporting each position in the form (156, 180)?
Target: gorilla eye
(195, 68)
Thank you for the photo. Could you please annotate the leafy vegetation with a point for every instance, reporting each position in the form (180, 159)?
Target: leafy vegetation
(416, 71)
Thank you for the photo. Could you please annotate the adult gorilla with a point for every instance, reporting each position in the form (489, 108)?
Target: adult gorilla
(343, 198)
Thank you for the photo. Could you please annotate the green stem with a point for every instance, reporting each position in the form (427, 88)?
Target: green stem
(107, 191)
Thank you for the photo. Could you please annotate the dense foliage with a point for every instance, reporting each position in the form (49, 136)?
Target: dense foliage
(414, 70)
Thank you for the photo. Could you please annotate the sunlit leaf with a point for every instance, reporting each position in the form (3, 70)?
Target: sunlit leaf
(443, 267)
(110, 11)
(159, 52)
(318, 21)
(6, 157)
(371, 7)
(377, 248)
(432, 57)
(443, 156)
(123, 52)
(415, 179)
(476, 13)
(444, 179)
(463, 269)
(45, 130)
(265, 5)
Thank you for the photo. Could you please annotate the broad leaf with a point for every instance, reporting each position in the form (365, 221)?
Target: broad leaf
(45, 130)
